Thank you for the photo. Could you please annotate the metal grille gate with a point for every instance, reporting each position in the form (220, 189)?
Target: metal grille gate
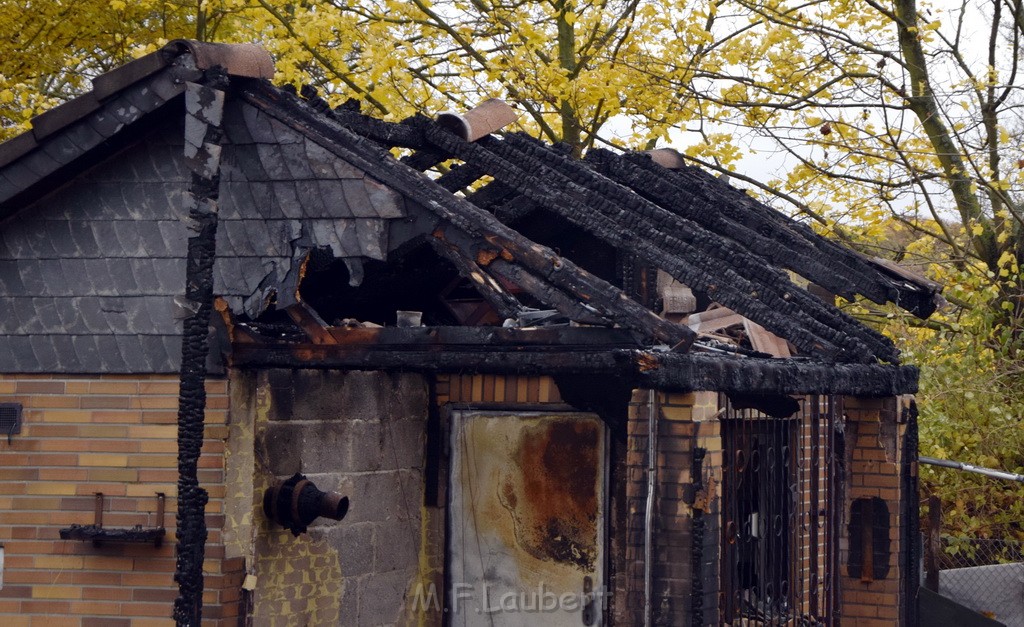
(780, 514)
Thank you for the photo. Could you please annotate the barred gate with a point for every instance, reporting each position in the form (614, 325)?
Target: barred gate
(781, 503)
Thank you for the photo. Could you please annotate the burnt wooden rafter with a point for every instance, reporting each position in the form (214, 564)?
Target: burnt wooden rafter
(486, 233)
(507, 305)
(572, 351)
(633, 224)
(821, 260)
(714, 252)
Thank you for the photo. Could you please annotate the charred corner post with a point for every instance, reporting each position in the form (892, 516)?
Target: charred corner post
(204, 107)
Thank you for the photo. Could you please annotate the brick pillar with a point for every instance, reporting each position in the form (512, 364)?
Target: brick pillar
(684, 421)
(874, 437)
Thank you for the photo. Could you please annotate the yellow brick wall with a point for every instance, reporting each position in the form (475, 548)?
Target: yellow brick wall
(116, 435)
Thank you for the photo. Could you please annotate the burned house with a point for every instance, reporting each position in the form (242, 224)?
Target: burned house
(608, 390)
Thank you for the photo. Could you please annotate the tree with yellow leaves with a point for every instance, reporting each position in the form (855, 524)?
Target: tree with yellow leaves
(897, 124)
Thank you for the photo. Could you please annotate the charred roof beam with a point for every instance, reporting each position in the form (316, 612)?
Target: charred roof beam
(564, 196)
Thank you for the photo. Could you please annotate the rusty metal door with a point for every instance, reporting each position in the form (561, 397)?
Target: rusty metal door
(526, 528)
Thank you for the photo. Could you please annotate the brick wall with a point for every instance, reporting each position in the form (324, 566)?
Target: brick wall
(874, 437)
(116, 435)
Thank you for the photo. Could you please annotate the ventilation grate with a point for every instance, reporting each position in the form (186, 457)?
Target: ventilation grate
(10, 419)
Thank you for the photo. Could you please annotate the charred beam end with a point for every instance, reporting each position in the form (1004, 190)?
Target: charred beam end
(643, 368)
(204, 104)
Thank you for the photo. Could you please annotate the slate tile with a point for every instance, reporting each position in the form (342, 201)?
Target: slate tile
(168, 84)
(323, 234)
(129, 242)
(172, 349)
(153, 242)
(272, 160)
(59, 234)
(139, 200)
(22, 354)
(111, 203)
(175, 237)
(115, 314)
(52, 276)
(142, 97)
(357, 199)
(70, 318)
(174, 201)
(234, 123)
(285, 134)
(31, 275)
(347, 238)
(372, 238)
(7, 363)
(83, 136)
(333, 195)
(320, 160)
(137, 313)
(229, 242)
(25, 313)
(38, 239)
(85, 240)
(105, 237)
(132, 352)
(110, 354)
(230, 170)
(257, 232)
(169, 162)
(20, 176)
(92, 315)
(88, 352)
(46, 311)
(313, 205)
(45, 353)
(121, 279)
(287, 199)
(62, 149)
(14, 240)
(105, 123)
(93, 202)
(65, 351)
(279, 234)
(386, 202)
(258, 124)
(93, 276)
(40, 163)
(170, 274)
(296, 161)
(264, 203)
(140, 159)
(161, 311)
(228, 278)
(7, 188)
(122, 109)
(145, 276)
(155, 352)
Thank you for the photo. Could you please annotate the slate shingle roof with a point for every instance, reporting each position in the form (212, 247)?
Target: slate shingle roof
(92, 256)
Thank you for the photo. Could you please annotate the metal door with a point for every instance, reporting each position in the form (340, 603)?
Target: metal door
(526, 529)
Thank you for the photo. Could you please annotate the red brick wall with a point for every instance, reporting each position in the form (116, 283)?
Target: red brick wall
(116, 435)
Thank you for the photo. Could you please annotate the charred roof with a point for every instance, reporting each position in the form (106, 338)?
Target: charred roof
(299, 180)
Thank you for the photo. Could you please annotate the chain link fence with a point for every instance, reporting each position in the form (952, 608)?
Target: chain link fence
(986, 575)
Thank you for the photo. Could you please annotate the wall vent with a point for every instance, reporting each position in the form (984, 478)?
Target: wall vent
(10, 419)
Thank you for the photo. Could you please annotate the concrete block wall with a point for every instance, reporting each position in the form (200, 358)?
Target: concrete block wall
(358, 433)
(116, 435)
(874, 438)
